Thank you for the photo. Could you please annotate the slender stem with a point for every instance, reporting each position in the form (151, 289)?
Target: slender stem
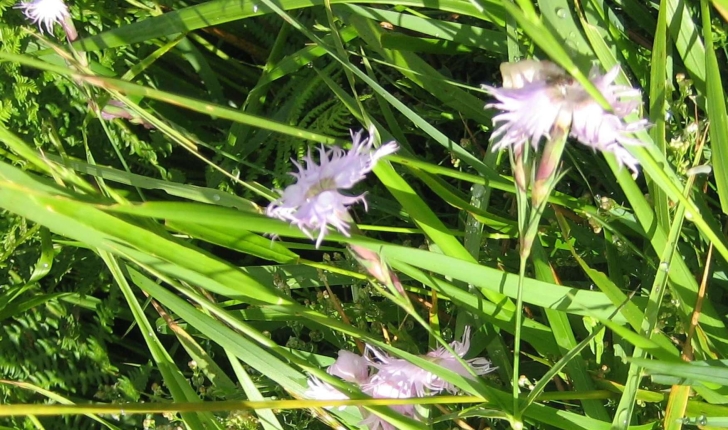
(539, 174)
(517, 342)
(520, 160)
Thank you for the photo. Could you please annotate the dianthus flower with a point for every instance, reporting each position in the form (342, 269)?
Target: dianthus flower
(396, 378)
(380, 387)
(444, 358)
(412, 378)
(46, 13)
(537, 93)
(349, 367)
(320, 390)
(314, 202)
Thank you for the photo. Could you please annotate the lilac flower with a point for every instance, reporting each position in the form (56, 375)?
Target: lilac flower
(444, 358)
(526, 100)
(320, 390)
(382, 387)
(396, 378)
(537, 95)
(314, 201)
(412, 378)
(45, 12)
(375, 422)
(349, 367)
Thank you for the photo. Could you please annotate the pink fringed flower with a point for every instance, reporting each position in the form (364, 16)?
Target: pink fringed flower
(314, 202)
(413, 379)
(382, 387)
(349, 367)
(320, 390)
(526, 101)
(536, 93)
(396, 378)
(444, 358)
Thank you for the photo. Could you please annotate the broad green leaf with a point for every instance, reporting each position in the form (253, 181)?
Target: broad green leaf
(558, 17)
(85, 222)
(712, 371)
(716, 111)
(239, 240)
(533, 332)
(573, 361)
(581, 302)
(687, 40)
(659, 87)
(186, 191)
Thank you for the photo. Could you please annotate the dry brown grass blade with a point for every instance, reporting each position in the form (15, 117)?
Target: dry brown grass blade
(679, 394)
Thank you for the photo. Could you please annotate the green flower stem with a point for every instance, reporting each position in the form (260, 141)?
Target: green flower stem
(545, 179)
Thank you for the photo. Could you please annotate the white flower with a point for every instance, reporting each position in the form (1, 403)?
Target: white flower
(605, 131)
(45, 12)
(537, 94)
(314, 201)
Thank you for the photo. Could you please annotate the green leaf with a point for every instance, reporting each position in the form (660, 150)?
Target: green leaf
(659, 87)
(83, 221)
(711, 371)
(716, 110)
(687, 40)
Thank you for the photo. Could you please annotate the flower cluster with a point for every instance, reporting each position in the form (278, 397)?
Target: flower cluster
(47, 13)
(314, 202)
(538, 94)
(383, 377)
